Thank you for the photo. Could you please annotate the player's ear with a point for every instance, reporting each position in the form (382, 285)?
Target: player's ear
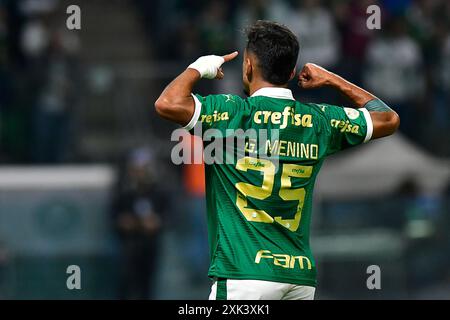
(248, 69)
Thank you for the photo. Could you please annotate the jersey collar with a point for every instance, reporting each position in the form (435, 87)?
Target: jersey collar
(274, 92)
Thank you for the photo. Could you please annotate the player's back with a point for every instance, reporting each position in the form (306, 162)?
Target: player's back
(259, 199)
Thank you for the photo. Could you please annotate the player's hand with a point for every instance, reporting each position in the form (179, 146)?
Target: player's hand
(313, 76)
(210, 67)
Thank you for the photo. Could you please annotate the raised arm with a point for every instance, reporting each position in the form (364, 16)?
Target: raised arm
(176, 102)
(385, 120)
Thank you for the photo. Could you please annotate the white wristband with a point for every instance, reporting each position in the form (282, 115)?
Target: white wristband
(208, 66)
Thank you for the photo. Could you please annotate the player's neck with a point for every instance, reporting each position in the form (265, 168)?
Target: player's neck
(263, 84)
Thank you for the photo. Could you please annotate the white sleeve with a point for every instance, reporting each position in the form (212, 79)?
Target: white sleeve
(195, 116)
(369, 124)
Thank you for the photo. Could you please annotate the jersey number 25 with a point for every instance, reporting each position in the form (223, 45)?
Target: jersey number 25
(265, 190)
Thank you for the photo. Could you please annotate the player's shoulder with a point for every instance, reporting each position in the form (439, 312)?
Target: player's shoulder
(223, 102)
(320, 113)
(226, 98)
(329, 111)
(318, 110)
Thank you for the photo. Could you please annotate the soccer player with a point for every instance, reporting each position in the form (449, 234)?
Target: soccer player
(259, 212)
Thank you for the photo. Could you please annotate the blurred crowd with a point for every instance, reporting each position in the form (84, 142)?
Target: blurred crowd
(38, 83)
(406, 62)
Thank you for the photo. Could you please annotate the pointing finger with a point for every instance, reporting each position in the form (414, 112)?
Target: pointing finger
(230, 56)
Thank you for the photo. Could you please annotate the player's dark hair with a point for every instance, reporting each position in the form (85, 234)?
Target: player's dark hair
(276, 49)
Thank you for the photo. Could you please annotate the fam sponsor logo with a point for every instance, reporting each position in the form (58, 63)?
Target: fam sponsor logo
(284, 260)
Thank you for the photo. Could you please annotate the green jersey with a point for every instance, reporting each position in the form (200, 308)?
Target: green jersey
(259, 204)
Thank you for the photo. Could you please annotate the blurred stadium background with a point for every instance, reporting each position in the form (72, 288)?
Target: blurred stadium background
(85, 170)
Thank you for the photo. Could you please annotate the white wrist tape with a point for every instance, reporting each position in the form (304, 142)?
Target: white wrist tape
(207, 66)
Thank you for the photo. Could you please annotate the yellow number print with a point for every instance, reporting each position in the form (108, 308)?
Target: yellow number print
(286, 193)
(265, 190)
(260, 193)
